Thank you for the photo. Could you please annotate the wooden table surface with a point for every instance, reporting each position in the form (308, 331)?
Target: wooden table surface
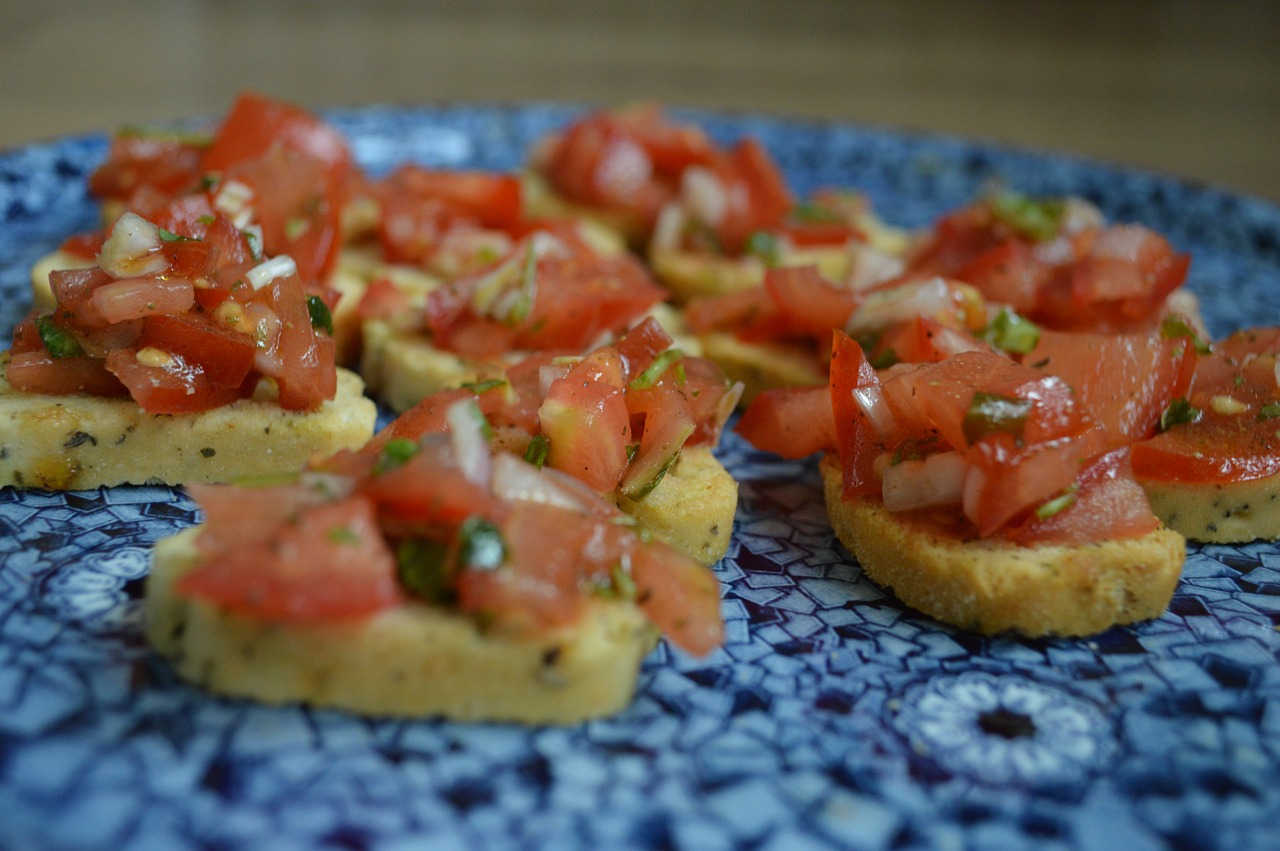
(1186, 88)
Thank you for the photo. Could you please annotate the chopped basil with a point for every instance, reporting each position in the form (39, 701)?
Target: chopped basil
(423, 569)
(763, 245)
(1010, 332)
(884, 359)
(1179, 412)
(654, 371)
(632, 449)
(321, 316)
(396, 452)
(1174, 327)
(170, 236)
(536, 453)
(1057, 504)
(479, 387)
(1269, 411)
(992, 413)
(343, 535)
(294, 228)
(1039, 220)
(481, 545)
(57, 341)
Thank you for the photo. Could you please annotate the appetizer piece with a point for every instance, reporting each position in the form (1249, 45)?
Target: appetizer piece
(635, 421)
(1213, 472)
(421, 577)
(183, 355)
(982, 493)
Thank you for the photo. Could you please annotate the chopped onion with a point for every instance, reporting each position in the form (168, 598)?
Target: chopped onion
(268, 270)
(669, 229)
(470, 446)
(133, 249)
(729, 403)
(1123, 242)
(900, 304)
(549, 374)
(869, 266)
(235, 199)
(1079, 214)
(330, 486)
(704, 195)
(517, 479)
(936, 480)
(871, 402)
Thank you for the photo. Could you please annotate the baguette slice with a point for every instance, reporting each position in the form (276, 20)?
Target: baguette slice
(1218, 512)
(991, 586)
(84, 442)
(411, 661)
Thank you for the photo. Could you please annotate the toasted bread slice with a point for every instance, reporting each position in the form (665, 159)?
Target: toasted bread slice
(82, 442)
(1218, 512)
(411, 661)
(991, 586)
(760, 366)
(692, 508)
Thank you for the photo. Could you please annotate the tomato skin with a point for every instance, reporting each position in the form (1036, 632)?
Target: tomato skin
(256, 124)
(811, 305)
(1109, 504)
(429, 493)
(584, 416)
(328, 564)
(304, 367)
(138, 163)
(138, 298)
(680, 597)
(856, 439)
(224, 355)
(793, 422)
(1125, 381)
(1229, 443)
(39, 372)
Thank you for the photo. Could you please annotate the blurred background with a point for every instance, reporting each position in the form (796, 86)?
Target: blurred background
(1188, 88)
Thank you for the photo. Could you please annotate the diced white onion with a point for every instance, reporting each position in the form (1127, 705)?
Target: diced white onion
(267, 271)
(871, 402)
(729, 403)
(235, 199)
(470, 447)
(669, 229)
(1056, 251)
(900, 304)
(936, 480)
(1122, 242)
(1079, 214)
(133, 249)
(869, 266)
(516, 479)
(703, 195)
(329, 486)
(549, 374)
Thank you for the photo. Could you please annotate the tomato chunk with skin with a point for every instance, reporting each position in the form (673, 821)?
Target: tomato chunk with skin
(793, 422)
(584, 417)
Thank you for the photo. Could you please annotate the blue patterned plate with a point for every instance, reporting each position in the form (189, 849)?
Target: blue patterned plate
(833, 717)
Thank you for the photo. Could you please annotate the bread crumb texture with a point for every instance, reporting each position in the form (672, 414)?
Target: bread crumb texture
(990, 586)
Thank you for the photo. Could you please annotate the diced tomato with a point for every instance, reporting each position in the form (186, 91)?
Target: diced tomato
(1008, 273)
(83, 245)
(164, 383)
(662, 418)
(793, 422)
(329, 563)
(1125, 381)
(735, 312)
(679, 596)
(1107, 504)
(165, 163)
(256, 125)
(39, 372)
(238, 515)
(138, 298)
(641, 344)
(584, 416)
(857, 437)
(812, 305)
(224, 355)
(758, 197)
(924, 340)
(429, 492)
(304, 366)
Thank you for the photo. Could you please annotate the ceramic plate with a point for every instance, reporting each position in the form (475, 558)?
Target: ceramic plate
(832, 717)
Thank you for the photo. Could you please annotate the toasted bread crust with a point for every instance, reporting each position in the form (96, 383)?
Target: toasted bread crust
(83, 442)
(692, 508)
(411, 661)
(993, 586)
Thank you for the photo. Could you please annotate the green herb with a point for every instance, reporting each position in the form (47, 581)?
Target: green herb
(294, 228)
(763, 245)
(479, 387)
(1174, 327)
(632, 449)
(654, 371)
(883, 359)
(1179, 412)
(1059, 503)
(321, 316)
(811, 212)
(1269, 411)
(481, 545)
(423, 568)
(992, 413)
(536, 454)
(57, 341)
(1039, 220)
(170, 236)
(343, 535)
(1010, 332)
(396, 452)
